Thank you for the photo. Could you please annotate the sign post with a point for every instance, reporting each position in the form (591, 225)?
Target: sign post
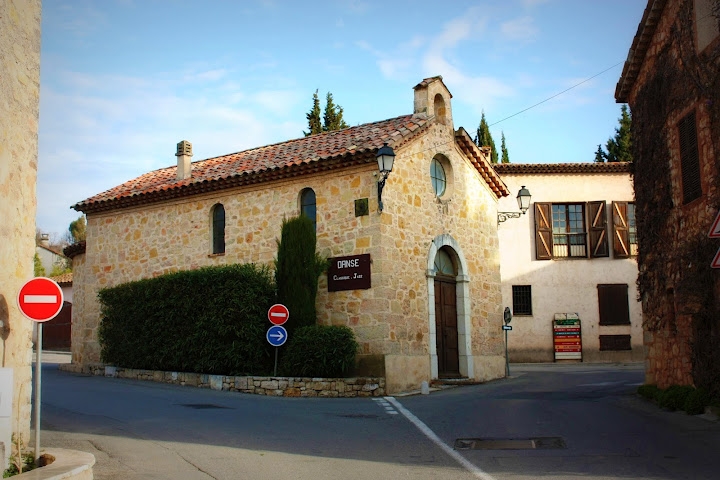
(276, 335)
(507, 317)
(39, 299)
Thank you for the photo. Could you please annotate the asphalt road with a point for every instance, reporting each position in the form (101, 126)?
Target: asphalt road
(586, 420)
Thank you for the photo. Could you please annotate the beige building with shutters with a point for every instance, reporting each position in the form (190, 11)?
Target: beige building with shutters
(433, 306)
(572, 253)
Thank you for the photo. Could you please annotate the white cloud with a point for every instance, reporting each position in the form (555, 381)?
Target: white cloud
(520, 29)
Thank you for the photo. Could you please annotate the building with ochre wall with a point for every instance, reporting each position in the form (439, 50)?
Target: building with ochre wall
(433, 308)
(19, 108)
(573, 253)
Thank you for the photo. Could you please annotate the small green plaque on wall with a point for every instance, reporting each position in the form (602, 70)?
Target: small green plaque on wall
(361, 207)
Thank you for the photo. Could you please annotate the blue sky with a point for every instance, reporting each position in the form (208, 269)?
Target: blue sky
(122, 81)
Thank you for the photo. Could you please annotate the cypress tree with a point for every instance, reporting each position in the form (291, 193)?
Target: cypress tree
(619, 147)
(333, 116)
(313, 117)
(599, 155)
(504, 157)
(297, 269)
(484, 139)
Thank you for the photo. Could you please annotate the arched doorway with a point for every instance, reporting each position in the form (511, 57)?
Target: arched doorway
(449, 309)
(446, 325)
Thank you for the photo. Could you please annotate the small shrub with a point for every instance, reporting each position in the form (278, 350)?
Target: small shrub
(650, 392)
(696, 402)
(320, 351)
(673, 398)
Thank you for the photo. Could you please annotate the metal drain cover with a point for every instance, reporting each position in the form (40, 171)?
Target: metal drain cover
(201, 406)
(509, 443)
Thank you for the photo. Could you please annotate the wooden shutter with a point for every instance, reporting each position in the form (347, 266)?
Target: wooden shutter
(689, 158)
(613, 304)
(621, 236)
(597, 219)
(543, 231)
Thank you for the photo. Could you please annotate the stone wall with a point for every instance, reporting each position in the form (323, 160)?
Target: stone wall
(19, 104)
(393, 320)
(272, 386)
(673, 80)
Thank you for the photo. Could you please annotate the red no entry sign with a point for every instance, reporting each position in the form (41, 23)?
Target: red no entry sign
(40, 299)
(278, 314)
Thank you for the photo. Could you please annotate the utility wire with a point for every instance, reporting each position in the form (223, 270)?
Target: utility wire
(557, 94)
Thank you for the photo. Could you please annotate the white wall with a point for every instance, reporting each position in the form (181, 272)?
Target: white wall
(564, 285)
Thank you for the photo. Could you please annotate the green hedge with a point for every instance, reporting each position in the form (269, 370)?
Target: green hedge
(678, 397)
(211, 320)
(319, 351)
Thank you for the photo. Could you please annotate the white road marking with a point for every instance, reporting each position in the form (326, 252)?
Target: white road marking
(40, 298)
(469, 466)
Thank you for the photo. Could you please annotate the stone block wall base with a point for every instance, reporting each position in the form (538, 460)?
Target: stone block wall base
(273, 386)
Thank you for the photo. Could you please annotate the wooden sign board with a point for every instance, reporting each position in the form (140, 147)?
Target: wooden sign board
(349, 273)
(567, 337)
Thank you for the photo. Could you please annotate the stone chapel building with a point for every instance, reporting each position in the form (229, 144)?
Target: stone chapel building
(432, 306)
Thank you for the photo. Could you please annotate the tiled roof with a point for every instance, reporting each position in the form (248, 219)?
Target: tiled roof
(63, 280)
(477, 157)
(525, 168)
(75, 249)
(319, 152)
(638, 49)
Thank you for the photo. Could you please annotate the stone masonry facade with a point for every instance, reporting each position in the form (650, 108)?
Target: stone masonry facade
(393, 320)
(19, 109)
(672, 71)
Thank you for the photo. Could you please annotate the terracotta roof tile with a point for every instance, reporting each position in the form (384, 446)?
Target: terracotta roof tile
(341, 146)
(63, 280)
(539, 168)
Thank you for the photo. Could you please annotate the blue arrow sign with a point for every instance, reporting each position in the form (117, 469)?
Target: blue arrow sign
(276, 335)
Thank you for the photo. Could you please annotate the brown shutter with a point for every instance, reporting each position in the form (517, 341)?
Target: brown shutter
(543, 231)
(597, 219)
(621, 237)
(613, 304)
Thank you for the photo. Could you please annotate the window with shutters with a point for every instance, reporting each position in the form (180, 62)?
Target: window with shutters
(689, 158)
(218, 229)
(571, 230)
(613, 304)
(568, 227)
(624, 230)
(522, 299)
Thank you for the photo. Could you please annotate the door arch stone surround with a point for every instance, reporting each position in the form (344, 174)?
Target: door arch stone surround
(463, 305)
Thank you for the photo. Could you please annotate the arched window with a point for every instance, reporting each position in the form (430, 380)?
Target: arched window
(218, 228)
(438, 178)
(307, 205)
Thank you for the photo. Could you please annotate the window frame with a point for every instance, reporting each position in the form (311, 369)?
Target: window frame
(217, 229)
(309, 209)
(436, 165)
(522, 300)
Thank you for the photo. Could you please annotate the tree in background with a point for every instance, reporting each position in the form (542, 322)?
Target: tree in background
(39, 270)
(332, 118)
(504, 157)
(313, 117)
(484, 139)
(297, 269)
(77, 230)
(619, 147)
(599, 155)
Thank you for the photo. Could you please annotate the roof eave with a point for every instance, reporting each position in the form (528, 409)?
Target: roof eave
(483, 167)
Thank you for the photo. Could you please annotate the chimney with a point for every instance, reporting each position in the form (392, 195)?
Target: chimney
(45, 240)
(184, 153)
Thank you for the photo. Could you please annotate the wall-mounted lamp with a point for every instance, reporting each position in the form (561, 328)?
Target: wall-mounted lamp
(385, 159)
(523, 199)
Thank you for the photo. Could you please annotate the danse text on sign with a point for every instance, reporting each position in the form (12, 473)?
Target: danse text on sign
(349, 273)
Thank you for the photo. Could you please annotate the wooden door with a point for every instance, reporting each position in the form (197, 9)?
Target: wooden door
(446, 328)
